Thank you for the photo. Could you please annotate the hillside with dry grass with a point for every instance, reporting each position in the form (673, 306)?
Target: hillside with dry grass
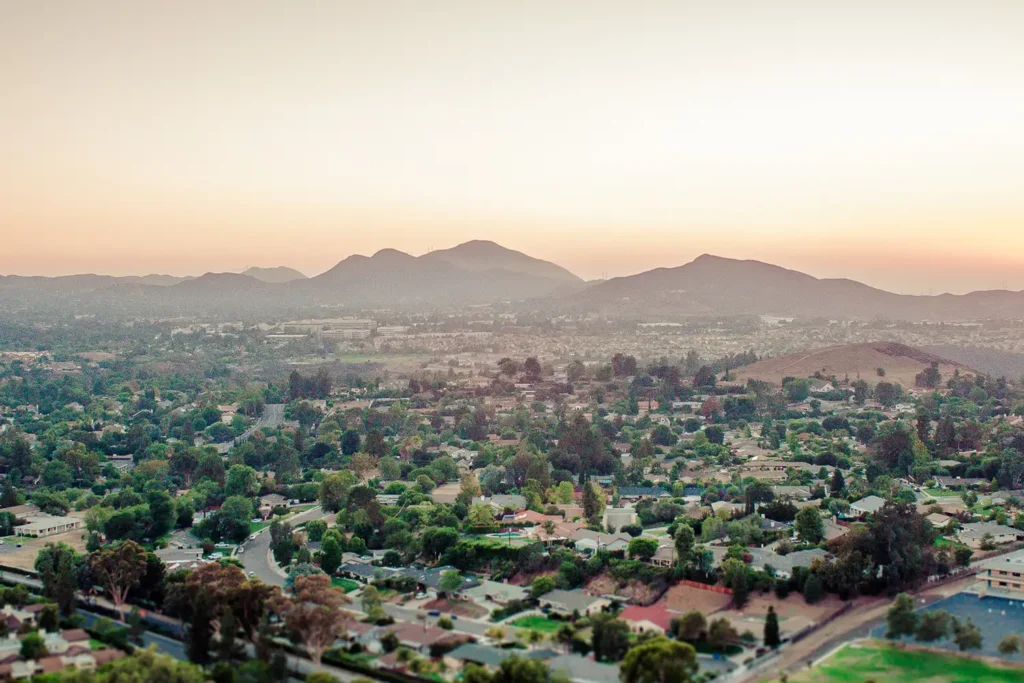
(900, 363)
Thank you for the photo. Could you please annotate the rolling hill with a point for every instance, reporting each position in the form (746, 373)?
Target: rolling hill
(484, 272)
(480, 255)
(275, 275)
(856, 361)
(712, 285)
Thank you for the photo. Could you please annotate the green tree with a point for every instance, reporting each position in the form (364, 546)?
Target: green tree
(541, 585)
(901, 619)
(809, 526)
(450, 582)
(1009, 645)
(933, 625)
(315, 530)
(593, 502)
(966, 635)
(330, 553)
(56, 565)
(771, 629)
(334, 490)
(33, 646)
(814, 589)
(721, 634)
(149, 666)
(643, 549)
(282, 543)
(564, 493)
(118, 568)
(684, 542)
(736, 576)
(659, 660)
(610, 638)
(371, 599)
(692, 626)
(375, 445)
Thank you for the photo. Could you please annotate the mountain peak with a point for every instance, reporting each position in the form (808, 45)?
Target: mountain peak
(274, 275)
(479, 255)
(391, 255)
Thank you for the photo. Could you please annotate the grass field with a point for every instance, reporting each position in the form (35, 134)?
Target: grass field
(346, 585)
(882, 663)
(942, 493)
(536, 623)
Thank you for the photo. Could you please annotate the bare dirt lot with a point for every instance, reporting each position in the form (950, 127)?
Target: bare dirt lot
(25, 556)
(685, 598)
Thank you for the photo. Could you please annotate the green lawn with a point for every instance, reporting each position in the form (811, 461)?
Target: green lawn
(536, 623)
(883, 663)
(97, 644)
(345, 584)
(942, 493)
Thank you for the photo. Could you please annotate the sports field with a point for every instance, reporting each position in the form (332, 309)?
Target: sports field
(883, 663)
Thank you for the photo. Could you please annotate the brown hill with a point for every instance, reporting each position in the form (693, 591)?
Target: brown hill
(901, 363)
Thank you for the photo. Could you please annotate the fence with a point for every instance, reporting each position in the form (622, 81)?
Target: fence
(705, 587)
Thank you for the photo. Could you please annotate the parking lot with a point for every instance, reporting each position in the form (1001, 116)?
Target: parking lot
(996, 617)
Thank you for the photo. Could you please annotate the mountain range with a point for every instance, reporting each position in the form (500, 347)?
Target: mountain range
(480, 272)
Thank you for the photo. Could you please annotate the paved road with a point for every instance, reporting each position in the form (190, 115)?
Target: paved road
(255, 557)
(273, 417)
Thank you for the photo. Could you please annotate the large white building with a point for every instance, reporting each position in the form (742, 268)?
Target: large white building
(47, 525)
(332, 329)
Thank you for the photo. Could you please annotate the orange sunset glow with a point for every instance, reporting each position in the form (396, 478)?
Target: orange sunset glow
(880, 141)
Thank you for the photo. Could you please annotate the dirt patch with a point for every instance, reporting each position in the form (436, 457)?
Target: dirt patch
(634, 591)
(459, 608)
(25, 556)
(901, 363)
(685, 598)
(97, 356)
(793, 606)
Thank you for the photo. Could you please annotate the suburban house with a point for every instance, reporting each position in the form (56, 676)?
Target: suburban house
(473, 653)
(42, 525)
(584, 669)
(572, 602)
(866, 506)
(664, 556)
(269, 502)
(586, 540)
(122, 463)
(494, 591)
(794, 492)
(500, 503)
(653, 619)
(959, 482)
(973, 535)
(820, 386)
(784, 564)
(417, 637)
(939, 520)
(632, 493)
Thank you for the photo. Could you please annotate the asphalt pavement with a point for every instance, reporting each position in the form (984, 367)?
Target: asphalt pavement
(256, 552)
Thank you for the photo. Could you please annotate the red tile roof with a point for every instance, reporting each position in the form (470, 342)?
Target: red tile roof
(656, 614)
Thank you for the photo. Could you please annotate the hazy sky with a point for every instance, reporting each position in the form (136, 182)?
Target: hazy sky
(882, 141)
